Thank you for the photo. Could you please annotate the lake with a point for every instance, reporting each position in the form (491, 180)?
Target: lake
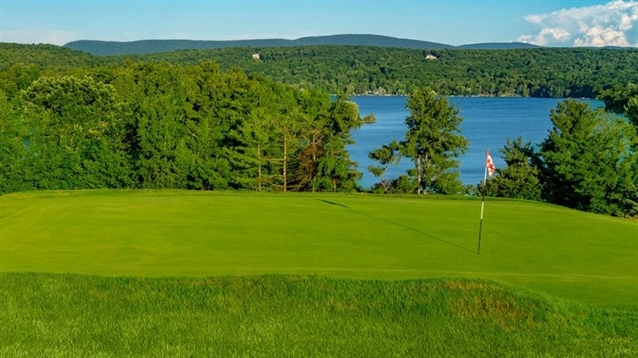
(488, 122)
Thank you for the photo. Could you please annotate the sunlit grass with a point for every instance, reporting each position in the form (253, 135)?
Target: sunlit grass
(585, 257)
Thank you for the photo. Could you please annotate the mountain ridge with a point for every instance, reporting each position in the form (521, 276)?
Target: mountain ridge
(109, 48)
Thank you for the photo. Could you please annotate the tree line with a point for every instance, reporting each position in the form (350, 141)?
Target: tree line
(162, 125)
(149, 125)
(542, 72)
(588, 161)
(539, 72)
(106, 48)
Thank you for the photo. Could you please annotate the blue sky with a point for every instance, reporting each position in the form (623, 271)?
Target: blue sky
(548, 23)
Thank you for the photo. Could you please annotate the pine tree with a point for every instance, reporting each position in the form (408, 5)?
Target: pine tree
(519, 179)
(589, 161)
(433, 142)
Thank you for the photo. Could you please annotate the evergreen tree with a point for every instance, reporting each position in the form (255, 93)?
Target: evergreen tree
(617, 98)
(336, 171)
(519, 179)
(211, 168)
(433, 142)
(589, 161)
(257, 135)
(631, 111)
(388, 154)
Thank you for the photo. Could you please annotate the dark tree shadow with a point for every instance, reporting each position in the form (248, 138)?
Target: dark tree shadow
(333, 203)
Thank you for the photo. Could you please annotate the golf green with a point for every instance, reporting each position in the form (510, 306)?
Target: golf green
(586, 257)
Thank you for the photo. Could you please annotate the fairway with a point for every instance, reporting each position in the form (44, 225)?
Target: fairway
(585, 257)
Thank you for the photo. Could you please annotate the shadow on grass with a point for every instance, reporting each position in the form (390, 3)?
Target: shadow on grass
(333, 203)
(399, 225)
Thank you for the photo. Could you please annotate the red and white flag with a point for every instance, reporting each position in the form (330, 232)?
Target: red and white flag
(489, 164)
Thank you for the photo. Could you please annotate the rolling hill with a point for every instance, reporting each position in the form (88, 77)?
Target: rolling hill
(497, 46)
(106, 48)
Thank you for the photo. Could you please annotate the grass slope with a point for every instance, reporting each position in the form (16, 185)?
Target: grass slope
(570, 254)
(46, 315)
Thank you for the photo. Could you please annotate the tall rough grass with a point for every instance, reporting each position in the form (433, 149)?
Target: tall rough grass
(48, 315)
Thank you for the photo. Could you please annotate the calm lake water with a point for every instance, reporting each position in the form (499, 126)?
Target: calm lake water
(488, 122)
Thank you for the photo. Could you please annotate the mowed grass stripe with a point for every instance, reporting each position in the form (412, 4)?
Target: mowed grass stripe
(582, 256)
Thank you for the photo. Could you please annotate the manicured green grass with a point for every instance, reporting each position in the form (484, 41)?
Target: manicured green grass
(585, 257)
(48, 315)
(181, 260)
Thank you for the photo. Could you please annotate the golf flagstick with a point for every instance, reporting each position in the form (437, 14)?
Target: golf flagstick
(489, 167)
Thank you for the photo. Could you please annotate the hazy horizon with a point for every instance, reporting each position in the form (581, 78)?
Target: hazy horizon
(455, 22)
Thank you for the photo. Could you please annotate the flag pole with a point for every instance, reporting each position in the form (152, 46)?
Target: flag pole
(478, 250)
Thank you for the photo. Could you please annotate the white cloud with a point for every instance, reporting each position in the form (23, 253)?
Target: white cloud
(546, 36)
(611, 24)
(37, 36)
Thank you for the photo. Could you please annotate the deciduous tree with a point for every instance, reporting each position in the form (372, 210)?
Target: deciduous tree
(75, 134)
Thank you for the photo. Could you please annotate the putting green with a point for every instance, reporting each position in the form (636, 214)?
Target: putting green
(571, 254)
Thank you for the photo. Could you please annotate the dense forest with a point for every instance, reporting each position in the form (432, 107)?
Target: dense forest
(541, 72)
(170, 126)
(371, 70)
(379, 71)
(70, 120)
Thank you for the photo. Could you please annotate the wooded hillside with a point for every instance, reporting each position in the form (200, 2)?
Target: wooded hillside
(106, 48)
(542, 72)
